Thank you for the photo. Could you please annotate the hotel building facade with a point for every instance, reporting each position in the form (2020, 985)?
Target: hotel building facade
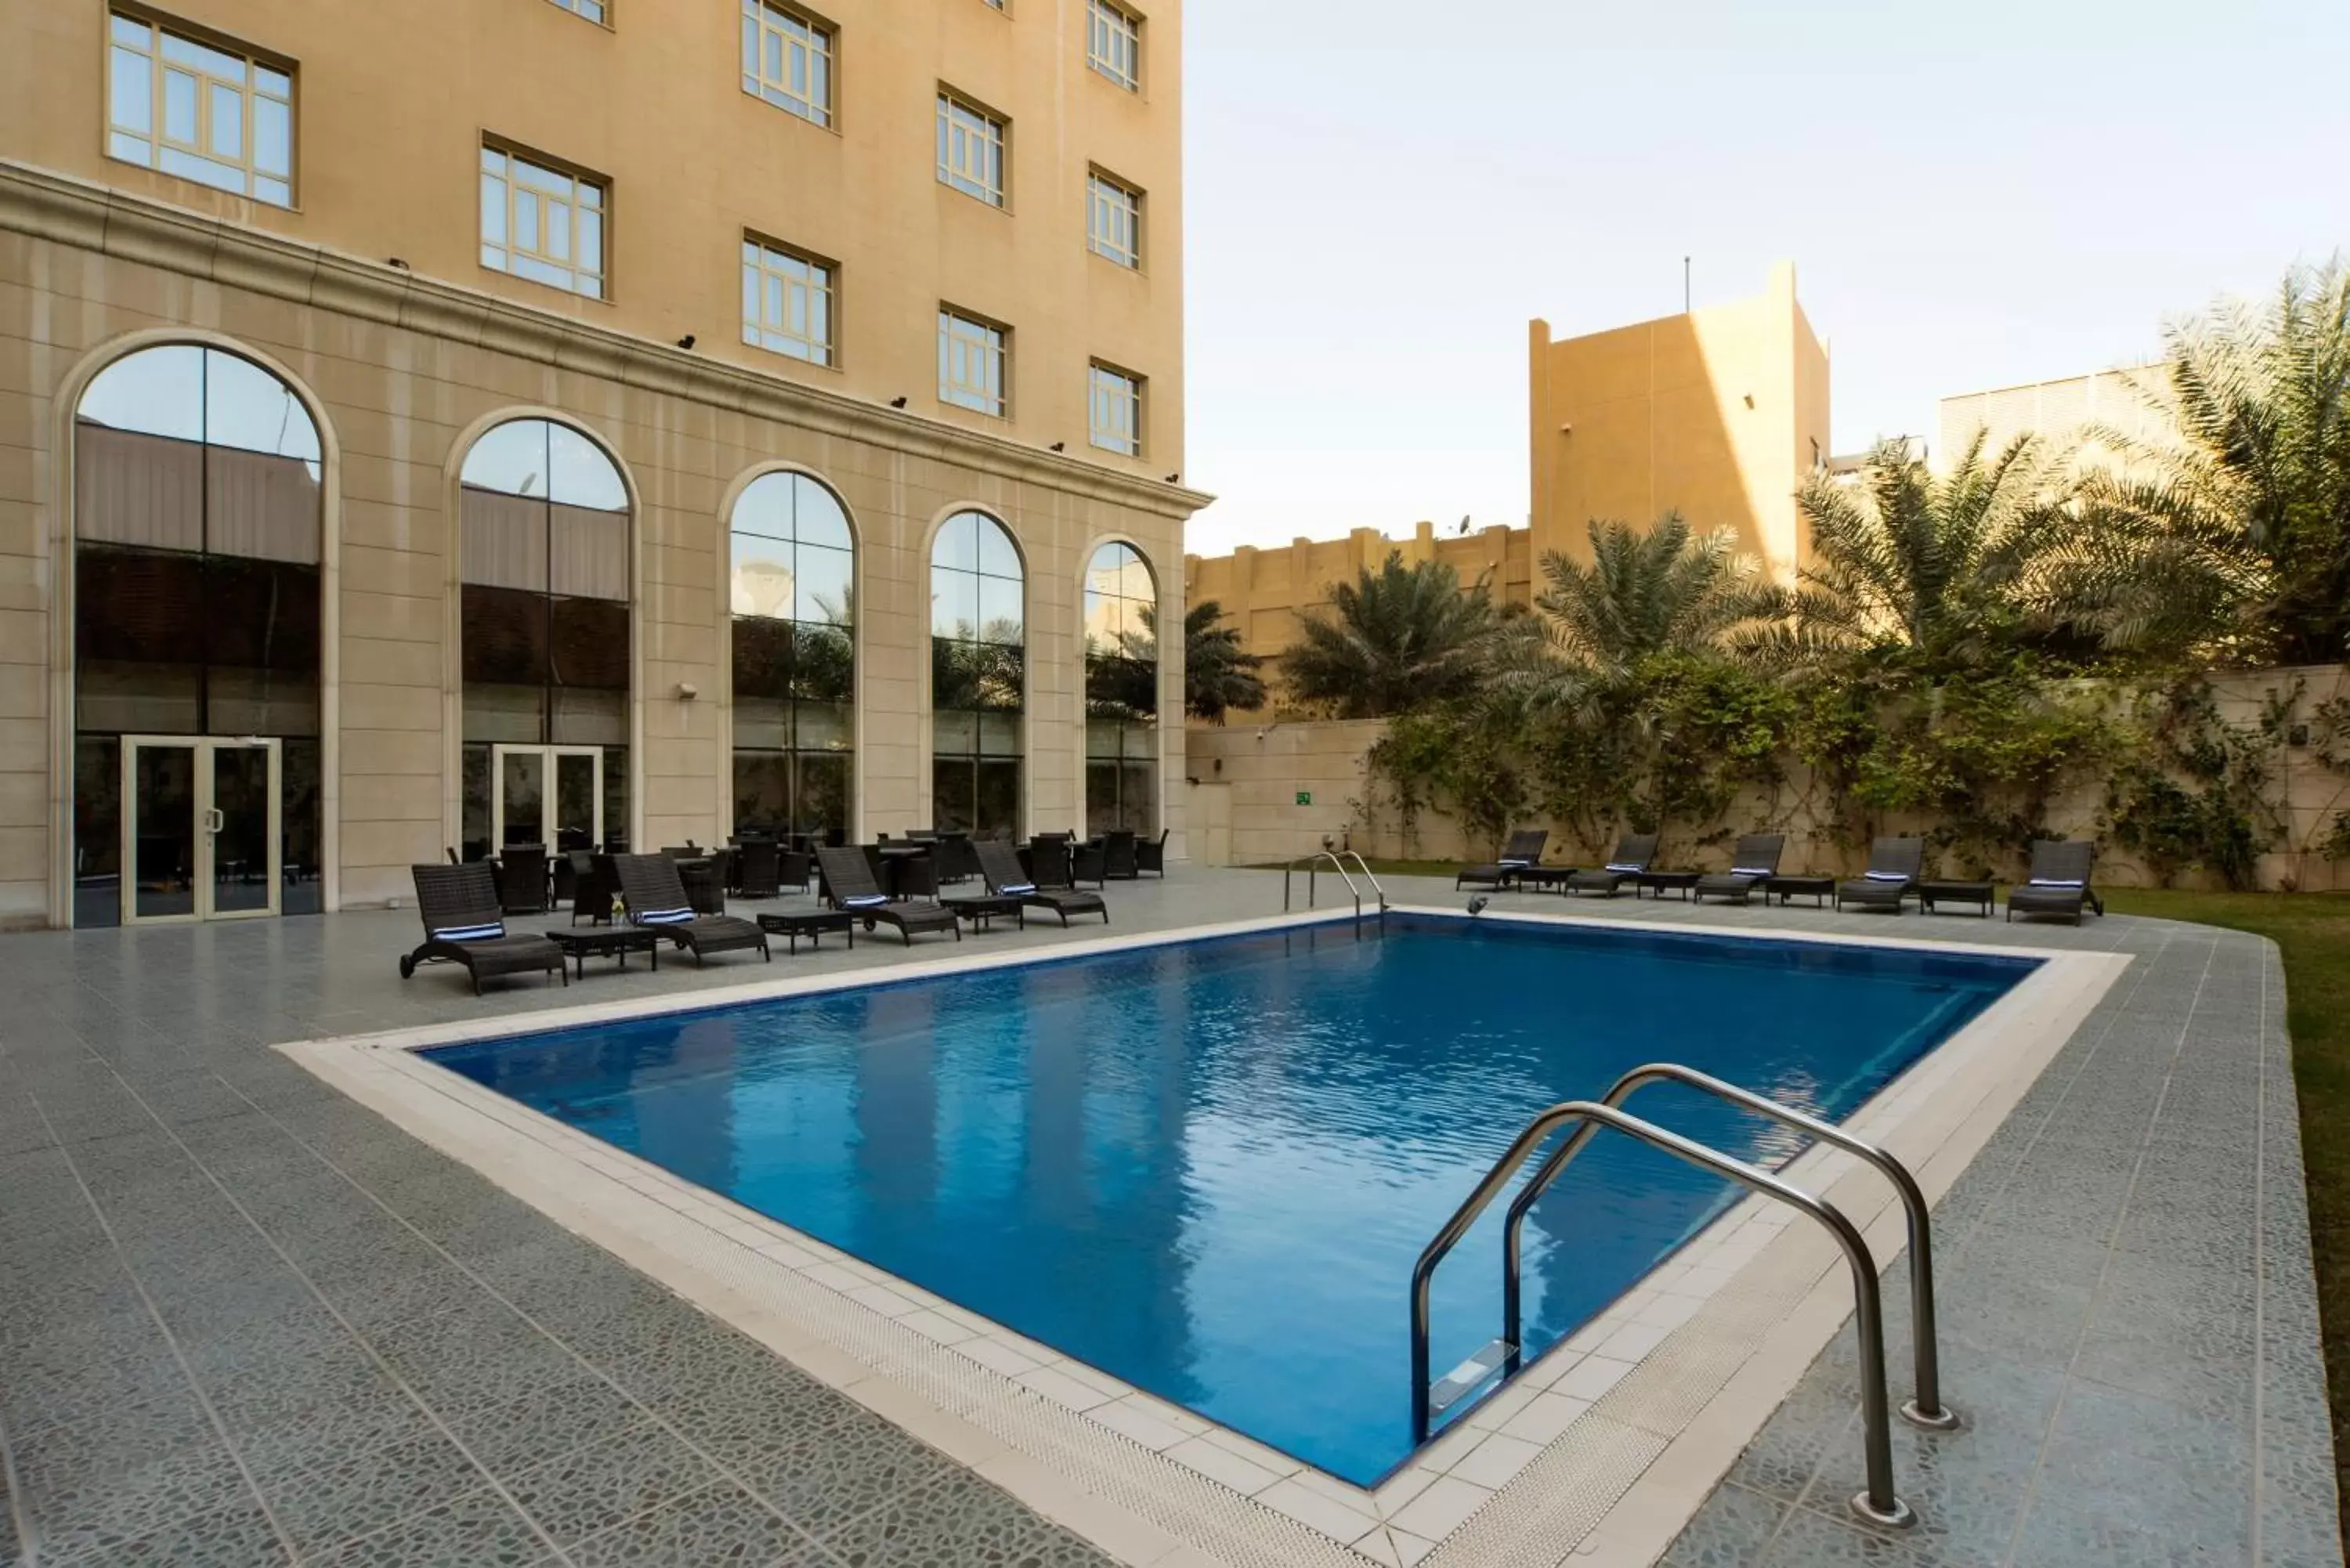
(576, 421)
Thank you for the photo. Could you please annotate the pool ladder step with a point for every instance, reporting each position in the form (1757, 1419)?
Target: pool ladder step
(1471, 1376)
(1502, 1357)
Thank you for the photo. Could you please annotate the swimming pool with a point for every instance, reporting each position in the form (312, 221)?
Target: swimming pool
(1206, 1166)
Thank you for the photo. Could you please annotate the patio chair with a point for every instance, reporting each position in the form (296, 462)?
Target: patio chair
(1151, 855)
(1048, 860)
(760, 870)
(1894, 866)
(2058, 882)
(849, 882)
(1118, 857)
(522, 879)
(655, 896)
(1001, 865)
(1523, 849)
(1635, 852)
(593, 884)
(794, 867)
(464, 924)
(1752, 865)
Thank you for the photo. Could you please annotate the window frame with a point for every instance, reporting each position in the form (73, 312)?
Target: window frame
(761, 14)
(1136, 400)
(157, 140)
(602, 18)
(1003, 349)
(1097, 176)
(579, 178)
(754, 334)
(998, 126)
(1108, 19)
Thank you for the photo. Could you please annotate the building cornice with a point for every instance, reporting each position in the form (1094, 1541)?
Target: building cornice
(56, 207)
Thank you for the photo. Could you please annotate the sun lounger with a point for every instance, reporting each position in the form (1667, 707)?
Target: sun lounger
(1752, 865)
(1633, 852)
(1000, 864)
(1523, 849)
(1894, 867)
(464, 924)
(656, 897)
(2058, 882)
(848, 883)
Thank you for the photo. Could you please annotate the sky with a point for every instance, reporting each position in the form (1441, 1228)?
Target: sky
(1379, 196)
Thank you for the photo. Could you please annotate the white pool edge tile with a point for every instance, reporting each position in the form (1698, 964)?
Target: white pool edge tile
(1750, 1279)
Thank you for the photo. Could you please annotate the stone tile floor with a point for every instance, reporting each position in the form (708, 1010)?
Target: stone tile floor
(243, 1321)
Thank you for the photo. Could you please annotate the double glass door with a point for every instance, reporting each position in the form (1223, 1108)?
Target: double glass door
(551, 797)
(202, 836)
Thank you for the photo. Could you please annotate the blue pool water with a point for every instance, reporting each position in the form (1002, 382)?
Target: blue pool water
(1207, 1168)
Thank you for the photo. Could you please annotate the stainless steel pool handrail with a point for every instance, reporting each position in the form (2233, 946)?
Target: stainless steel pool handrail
(1924, 1409)
(1878, 1503)
(1312, 864)
(1368, 875)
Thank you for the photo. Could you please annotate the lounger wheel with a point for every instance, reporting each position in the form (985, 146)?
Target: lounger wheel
(407, 966)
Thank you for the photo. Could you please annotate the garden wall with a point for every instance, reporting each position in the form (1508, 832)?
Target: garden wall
(1291, 783)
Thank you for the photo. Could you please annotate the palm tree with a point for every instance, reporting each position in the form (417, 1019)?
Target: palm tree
(1396, 640)
(2245, 518)
(1947, 566)
(1219, 672)
(1664, 589)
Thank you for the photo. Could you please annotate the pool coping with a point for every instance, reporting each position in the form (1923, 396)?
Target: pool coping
(1602, 1449)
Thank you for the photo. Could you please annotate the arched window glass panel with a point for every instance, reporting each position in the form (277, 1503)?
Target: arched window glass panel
(545, 557)
(1121, 621)
(979, 675)
(792, 583)
(197, 538)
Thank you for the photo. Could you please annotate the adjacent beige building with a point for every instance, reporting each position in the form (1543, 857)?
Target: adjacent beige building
(492, 421)
(2131, 399)
(1719, 414)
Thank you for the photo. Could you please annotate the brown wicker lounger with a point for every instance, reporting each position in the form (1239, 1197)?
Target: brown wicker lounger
(1000, 864)
(2058, 882)
(1894, 867)
(655, 896)
(464, 925)
(848, 883)
(1752, 865)
(1635, 852)
(1525, 849)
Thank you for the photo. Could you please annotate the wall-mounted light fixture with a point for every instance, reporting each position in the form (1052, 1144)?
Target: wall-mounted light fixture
(687, 691)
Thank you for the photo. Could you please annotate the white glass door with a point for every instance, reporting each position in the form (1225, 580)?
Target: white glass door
(551, 797)
(201, 832)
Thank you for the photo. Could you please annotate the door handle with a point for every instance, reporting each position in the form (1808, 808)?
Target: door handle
(215, 821)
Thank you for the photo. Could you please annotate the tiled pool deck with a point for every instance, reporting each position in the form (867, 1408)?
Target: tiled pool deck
(245, 1320)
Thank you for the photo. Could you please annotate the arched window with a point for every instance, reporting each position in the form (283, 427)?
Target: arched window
(1121, 692)
(544, 559)
(197, 534)
(792, 582)
(979, 676)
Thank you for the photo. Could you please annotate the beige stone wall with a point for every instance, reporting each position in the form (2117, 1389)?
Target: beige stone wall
(1717, 414)
(1263, 766)
(2133, 401)
(393, 101)
(1265, 592)
(403, 373)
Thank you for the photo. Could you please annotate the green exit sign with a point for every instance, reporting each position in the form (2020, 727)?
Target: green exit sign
(1306, 798)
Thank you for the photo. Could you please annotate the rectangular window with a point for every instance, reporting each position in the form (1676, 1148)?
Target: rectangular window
(202, 113)
(1113, 220)
(972, 362)
(594, 10)
(543, 224)
(787, 60)
(1114, 403)
(1114, 43)
(787, 301)
(971, 150)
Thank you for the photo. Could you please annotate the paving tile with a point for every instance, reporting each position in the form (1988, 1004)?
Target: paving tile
(326, 1499)
(722, 1526)
(1730, 1529)
(479, 1529)
(543, 1422)
(93, 1490)
(954, 1522)
(594, 1488)
(2188, 1477)
(823, 1463)
(237, 1537)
